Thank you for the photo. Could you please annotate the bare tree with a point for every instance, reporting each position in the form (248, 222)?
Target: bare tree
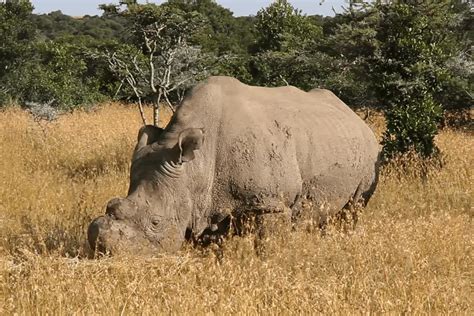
(128, 72)
(161, 64)
(173, 65)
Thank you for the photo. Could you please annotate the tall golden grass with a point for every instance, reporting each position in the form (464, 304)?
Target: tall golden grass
(412, 251)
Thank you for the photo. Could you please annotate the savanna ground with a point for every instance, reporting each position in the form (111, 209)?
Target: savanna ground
(412, 251)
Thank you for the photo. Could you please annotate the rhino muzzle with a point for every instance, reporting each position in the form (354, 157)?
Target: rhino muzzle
(108, 236)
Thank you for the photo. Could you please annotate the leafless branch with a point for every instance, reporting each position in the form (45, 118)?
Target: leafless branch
(168, 66)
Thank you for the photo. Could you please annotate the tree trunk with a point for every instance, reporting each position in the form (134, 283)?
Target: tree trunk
(156, 110)
(156, 114)
(142, 113)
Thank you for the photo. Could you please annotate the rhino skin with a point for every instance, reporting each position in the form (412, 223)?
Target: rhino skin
(234, 150)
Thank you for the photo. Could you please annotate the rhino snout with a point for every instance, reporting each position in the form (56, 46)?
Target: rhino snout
(119, 230)
(107, 235)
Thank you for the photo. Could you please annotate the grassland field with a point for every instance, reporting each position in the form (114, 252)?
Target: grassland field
(411, 253)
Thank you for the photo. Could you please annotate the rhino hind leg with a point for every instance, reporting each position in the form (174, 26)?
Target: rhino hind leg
(371, 184)
(350, 212)
(308, 215)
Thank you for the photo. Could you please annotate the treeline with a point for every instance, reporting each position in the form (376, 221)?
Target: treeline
(411, 58)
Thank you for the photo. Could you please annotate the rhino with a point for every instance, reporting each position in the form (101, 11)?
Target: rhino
(231, 151)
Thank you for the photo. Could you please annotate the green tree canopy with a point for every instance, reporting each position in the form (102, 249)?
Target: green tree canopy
(283, 35)
(16, 33)
(222, 33)
(281, 27)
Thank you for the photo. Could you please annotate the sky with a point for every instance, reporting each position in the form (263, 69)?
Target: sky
(239, 7)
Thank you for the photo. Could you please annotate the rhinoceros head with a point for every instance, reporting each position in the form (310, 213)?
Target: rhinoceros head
(154, 217)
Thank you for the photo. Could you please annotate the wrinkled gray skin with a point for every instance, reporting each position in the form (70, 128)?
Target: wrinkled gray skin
(237, 149)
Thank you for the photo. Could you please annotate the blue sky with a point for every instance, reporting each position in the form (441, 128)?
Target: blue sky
(239, 7)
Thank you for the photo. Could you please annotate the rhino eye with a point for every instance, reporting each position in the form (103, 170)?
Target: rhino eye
(156, 222)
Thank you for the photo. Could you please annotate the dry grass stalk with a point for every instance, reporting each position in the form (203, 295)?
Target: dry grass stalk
(411, 253)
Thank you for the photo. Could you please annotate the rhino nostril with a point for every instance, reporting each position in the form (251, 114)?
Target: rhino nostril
(110, 213)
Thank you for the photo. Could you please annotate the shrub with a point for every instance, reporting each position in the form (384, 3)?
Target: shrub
(412, 126)
(408, 69)
(54, 73)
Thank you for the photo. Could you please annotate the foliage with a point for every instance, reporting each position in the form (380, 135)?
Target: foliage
(54, 72)
(457, 88)
(16, 33)
(415, 43)
(222, 32)
(300, 68)
(350, 41)
(281, 27)
(56, 25)
(282, 37)
(43, 71)
(412, 126)
(236, 66)
(401, 56)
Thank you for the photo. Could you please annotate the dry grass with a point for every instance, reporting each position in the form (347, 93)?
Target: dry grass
(411, 253)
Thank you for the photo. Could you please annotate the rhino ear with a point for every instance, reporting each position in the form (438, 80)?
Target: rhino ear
(189, 140)
(147, 135)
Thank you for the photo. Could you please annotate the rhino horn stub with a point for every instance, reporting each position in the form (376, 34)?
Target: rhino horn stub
(119, 208)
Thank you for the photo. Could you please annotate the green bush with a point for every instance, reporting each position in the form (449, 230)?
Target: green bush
(409, 68)
(412, 126)
(54, 73)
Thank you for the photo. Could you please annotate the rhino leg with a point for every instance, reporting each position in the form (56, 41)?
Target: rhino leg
(349, 215)
(308, 217)
(219, 228)
(371, 184)
(277, 224)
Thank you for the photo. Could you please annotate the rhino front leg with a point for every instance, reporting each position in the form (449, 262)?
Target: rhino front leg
(271, 227)
(218, 229)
